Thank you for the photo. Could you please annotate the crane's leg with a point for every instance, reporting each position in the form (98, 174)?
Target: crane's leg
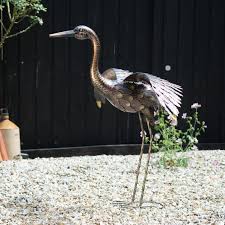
(147, 163)
(124, 204)
(140, 157)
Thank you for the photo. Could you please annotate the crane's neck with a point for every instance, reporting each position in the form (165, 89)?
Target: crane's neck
(97, 80)
(96, 53)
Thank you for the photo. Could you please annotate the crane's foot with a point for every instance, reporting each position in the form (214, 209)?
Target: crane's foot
(151, 204)
(124, 204)
(143, 205)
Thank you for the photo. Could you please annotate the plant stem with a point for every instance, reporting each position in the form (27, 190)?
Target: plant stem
(195, 117)
(20, 32)
(2, 25)
(9, 12)
(6, 34)
(192, 131)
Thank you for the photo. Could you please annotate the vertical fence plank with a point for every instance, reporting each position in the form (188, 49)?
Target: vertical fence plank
(185, 52)
(27, 89)
(60, 75)
(222, 93)
(171, 39)
(43, 81)
(158, 40)
(79, 72)
(202, 58)
(216, 71)
(144, 35)
(11, 78)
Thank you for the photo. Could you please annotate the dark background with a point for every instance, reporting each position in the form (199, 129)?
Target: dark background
(46, 86)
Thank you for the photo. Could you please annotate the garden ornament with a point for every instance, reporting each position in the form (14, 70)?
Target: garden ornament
(132, 92)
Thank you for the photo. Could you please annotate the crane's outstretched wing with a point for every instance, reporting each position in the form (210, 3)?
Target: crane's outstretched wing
(168, 94)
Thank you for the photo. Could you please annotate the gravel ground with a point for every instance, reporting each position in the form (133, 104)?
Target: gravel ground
(84, 190)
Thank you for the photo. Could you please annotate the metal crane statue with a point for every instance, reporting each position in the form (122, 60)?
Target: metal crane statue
(132, 92)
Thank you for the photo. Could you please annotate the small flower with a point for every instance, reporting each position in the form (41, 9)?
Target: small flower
(184, 116)
(195, 106)
(205, 126)
(157, 136)
(179, 141)
(173, 120)
(141, 135)
(195, 140)
(194, 148)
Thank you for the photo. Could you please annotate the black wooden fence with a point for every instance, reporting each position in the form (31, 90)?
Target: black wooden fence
(45, 83)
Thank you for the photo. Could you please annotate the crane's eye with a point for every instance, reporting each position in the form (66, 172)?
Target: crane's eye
(81, 34)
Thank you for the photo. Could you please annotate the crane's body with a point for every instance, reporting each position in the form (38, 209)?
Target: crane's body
(128, 96)
(139, 92)
(132, 92)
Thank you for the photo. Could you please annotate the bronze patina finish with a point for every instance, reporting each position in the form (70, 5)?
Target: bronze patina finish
(133, 92)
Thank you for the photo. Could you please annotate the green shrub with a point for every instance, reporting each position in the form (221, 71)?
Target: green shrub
(170, 140)
(19, 12)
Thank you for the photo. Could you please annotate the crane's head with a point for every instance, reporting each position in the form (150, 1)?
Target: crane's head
(80, 32)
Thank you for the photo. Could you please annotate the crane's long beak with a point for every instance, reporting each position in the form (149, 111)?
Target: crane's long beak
(63, 34)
